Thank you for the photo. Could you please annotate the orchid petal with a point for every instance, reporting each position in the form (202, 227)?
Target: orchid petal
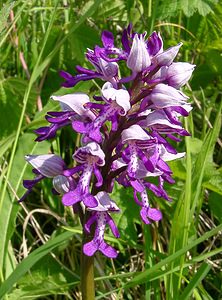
(49, 165)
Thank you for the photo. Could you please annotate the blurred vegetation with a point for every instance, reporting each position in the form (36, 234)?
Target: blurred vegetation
(179, 258)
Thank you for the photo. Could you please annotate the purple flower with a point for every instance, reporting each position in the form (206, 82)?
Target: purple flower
(73, 106)
(125, 132)
(101, 216)
(50, 166)
(140, 144)
(177, 74)
(159, 121)
(138, 58)
(105, 67)
(117, 104)
(147, 213)
(91, 157)
(166, 57)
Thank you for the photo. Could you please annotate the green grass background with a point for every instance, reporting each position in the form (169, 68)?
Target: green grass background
(178, 258)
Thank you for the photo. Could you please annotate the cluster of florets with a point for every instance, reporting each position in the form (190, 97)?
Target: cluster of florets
(144, 117)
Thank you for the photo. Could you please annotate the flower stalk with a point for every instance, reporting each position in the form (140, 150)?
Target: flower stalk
(87, 270)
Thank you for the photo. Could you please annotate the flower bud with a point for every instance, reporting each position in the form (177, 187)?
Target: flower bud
(108, 69)
(61, 184)
(164, 96)
(166, 57)
(179, 73)
(139, 58)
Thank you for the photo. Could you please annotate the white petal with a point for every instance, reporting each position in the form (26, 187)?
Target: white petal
(75, 102)
(134, 132)
(49, 165)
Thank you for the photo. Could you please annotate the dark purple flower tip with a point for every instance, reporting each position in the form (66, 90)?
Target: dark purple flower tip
(65, 75)
(125, 41)
(137, 185)
(89, 201)
(42, 130)
(90, 248)
(107, 39)
(25, 195)
(72, 197)
(149, 214)
(84, 71)
(29, 184)
(73, 80)
(155, 44)
(46, 133)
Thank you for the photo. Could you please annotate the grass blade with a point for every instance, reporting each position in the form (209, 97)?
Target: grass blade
(196, 280)
(32, 259)
(142, 277)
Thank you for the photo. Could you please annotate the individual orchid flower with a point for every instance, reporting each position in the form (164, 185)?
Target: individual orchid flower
(166, 57)
(90, 157)
(147, 213)
(163, 96)
(73, 108)
(100, 216)
(178, 74)
(117, 104)
(106, 71)
(48, 166)
(106, 67)
(139, 144)
(159, 121)
(138, 59)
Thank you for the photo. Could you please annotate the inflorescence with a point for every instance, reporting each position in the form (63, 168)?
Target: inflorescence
(125, 131)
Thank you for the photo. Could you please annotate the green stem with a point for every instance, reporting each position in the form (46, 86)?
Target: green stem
(87, 270)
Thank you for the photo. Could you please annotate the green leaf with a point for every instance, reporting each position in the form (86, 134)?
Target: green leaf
(129, 215)
(47, 277)
(113, 8)
(6, 143)
(4, 13)
(215, 203)
(10, 207)
(189, 7)
(196, 280)
(153, 271)
(31, 260)
(12, 92)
